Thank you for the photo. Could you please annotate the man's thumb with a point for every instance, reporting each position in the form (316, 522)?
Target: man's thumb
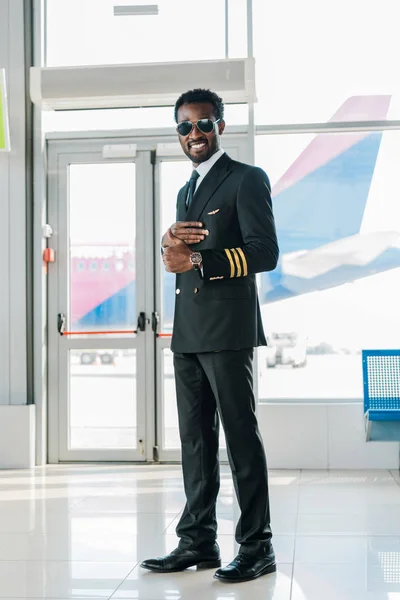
(172, 238)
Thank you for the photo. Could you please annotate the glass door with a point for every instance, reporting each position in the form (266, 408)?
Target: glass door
(98, 322)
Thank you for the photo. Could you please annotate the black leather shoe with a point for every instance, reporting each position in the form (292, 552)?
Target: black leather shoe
(246, 567)
(179, 560)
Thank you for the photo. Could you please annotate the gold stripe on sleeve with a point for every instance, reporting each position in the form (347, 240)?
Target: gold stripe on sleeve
(237, 261)
(245, 270)
(231, 262)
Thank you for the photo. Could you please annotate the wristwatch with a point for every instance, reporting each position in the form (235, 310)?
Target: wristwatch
(196, 259)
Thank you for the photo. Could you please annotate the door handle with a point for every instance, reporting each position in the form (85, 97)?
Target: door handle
(155, 321)
(141, 322)
(61, 323)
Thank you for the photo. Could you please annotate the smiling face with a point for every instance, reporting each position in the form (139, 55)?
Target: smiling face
(199, 146)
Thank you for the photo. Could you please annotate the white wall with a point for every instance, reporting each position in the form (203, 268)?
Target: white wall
(17, 437)
(321, 436)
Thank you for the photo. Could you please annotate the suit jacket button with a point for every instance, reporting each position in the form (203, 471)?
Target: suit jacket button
(196, 290)
(178, 291)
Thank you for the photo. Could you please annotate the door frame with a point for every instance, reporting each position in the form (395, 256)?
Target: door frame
(152, 146)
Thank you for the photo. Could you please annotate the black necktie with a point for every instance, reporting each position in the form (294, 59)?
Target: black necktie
(192, 186)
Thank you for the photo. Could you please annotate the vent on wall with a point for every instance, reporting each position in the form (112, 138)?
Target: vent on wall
(137, 10)
(130, 86)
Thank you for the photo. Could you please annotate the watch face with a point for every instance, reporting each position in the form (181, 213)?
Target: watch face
(195, 258)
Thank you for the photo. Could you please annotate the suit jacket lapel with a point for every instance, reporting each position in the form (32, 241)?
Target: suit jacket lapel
(181, 210)
(211, 182)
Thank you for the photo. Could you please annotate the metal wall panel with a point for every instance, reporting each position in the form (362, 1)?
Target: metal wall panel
(4, 227)
(13, 325)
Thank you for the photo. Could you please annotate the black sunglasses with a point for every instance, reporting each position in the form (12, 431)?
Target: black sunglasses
(203, 125)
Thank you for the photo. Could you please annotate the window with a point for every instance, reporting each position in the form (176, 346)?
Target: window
(86, 32)
(102, 229)
(336, 288)
(237, 28)
(315, 58)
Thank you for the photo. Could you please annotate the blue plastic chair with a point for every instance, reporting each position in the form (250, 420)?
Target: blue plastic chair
(381, 371)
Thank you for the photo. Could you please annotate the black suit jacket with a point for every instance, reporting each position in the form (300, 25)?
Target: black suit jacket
(219, 309)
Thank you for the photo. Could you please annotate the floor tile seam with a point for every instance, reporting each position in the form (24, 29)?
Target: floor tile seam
(321, 483)
(347, 490)
(345, 535)
(79, 535)
(353, 510)
(122, 582)
(101, 533)
(80, 501)
(397, 481)
(295, 535)
(352, 534)
(105, 513)
(328, 563)
(291, 583)
(94, 562)
(64, 560)
(366, 511)
(365, 497)
(297, 513)
(169, 524)
(391, 484)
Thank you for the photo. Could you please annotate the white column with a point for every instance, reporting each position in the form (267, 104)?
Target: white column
(17, 418)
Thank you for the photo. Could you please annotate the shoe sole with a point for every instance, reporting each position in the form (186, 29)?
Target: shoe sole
(212, 564)
(266, 571)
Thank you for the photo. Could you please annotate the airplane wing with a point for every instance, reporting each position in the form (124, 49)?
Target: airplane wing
(331, 265)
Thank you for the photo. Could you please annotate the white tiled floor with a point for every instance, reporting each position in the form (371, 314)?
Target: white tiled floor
(81, 531)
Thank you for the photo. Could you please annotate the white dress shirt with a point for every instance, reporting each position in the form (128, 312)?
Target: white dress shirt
(202, 170)
(205, 166)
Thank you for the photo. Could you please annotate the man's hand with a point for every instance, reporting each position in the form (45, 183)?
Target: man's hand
(176, 255)
(189, 232)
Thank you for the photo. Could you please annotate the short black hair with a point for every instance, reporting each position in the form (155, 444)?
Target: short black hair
(200, 95)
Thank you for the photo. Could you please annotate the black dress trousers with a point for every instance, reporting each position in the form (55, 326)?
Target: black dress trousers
(207, 385)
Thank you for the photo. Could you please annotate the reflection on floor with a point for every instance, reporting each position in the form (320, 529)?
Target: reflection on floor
(80, 532)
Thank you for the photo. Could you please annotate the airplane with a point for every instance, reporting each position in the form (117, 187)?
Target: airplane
(102, 285)
(319, 204)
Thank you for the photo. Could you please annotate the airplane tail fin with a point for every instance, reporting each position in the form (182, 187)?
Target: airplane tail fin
(322, 196)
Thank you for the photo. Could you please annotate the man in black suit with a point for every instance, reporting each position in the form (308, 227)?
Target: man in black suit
(224, 235)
